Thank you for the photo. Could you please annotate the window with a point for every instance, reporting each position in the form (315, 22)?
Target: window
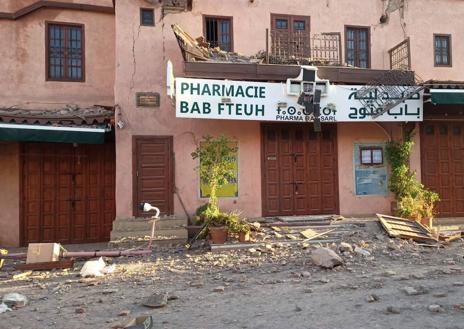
(357, 46)
(442, 46)
(65, 52)
(290, 36)
(370, 169)
(281, 24)
(371, 156)
(299, 25)
(147, 17)
(218, 32)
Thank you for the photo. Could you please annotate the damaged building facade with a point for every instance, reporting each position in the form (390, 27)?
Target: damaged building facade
(244, 79)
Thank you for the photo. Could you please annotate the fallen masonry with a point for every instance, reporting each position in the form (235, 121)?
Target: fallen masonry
(353, 265)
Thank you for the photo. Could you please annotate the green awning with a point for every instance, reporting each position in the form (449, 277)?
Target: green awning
(447, 96)
(54, 134)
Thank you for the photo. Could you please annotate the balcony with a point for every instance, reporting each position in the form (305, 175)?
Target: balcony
(277, 63)
(400, 56)
(301, 48)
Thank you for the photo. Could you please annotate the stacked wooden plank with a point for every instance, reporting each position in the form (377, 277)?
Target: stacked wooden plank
(398, 227)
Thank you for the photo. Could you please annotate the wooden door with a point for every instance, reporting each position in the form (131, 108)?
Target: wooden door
(68, 193)
(153, 173)
(299, 170)
(442, 148)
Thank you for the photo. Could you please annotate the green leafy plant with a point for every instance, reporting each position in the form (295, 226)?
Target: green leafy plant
(200, 213)
(217, 159)
(414, 200)
(236, 223)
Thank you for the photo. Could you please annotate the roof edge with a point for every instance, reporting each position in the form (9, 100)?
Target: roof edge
(42, 4)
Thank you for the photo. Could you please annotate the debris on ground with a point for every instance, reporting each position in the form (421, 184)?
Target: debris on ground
(219, 289)
(141, 322)
(156, 300)
(399, 276)
(372, 298)
(414, 291)
(2, 252)
(22, 276)
(325, 258)
(362, 251)
(43, 252)
(393, 310)
(397, 227)
(14, 300)
(4, 308)
(45, 266)
(435, 308)
(345, 247)
(93, 268)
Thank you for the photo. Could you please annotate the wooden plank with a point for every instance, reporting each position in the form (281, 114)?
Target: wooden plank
(62, 264)
(406, 229)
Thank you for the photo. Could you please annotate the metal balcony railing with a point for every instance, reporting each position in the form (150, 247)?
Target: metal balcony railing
(400, 56)
(302, 48)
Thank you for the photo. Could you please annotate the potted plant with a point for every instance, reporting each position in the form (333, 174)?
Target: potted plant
(218, 229)
(244, 233)
(217, 159)
(238, 226)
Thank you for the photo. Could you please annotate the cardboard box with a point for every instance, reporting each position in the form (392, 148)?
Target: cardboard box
(43, 252)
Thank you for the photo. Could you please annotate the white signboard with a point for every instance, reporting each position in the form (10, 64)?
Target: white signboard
(264, 101)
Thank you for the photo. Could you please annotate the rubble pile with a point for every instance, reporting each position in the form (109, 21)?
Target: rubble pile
(197, 49)
(361, 260)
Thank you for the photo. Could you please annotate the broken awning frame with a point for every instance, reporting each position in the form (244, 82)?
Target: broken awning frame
(55, 134)
(447, 96)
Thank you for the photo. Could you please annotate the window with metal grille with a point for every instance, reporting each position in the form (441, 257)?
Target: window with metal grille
(371, 156)
(442, 45)
(357, 46)
(147, 17)
(290, 36)
(65, 52)
(218, 32)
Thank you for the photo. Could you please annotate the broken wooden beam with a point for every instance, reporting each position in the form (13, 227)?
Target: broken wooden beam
(45, 266)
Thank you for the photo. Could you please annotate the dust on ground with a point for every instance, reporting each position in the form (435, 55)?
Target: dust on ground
(396, 284)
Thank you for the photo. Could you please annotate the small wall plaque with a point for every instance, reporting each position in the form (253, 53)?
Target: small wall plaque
(147, 99)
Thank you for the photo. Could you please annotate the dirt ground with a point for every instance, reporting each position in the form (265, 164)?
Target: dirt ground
(274, 287)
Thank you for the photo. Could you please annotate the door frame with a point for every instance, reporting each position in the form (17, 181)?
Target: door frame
(170, 140)
(290, 124)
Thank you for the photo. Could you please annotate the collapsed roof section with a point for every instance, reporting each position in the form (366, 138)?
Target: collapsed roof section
(199, 50)
(69, 115)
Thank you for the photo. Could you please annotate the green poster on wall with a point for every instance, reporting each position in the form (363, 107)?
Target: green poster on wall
(228, 190)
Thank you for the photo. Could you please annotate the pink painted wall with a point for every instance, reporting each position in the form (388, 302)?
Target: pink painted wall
(22, 49)
(9, 200)
(142, 53)
(358, 133)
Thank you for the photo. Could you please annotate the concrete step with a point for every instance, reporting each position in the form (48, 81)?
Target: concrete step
(140, 224)
(128, 243)
(178, 233)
